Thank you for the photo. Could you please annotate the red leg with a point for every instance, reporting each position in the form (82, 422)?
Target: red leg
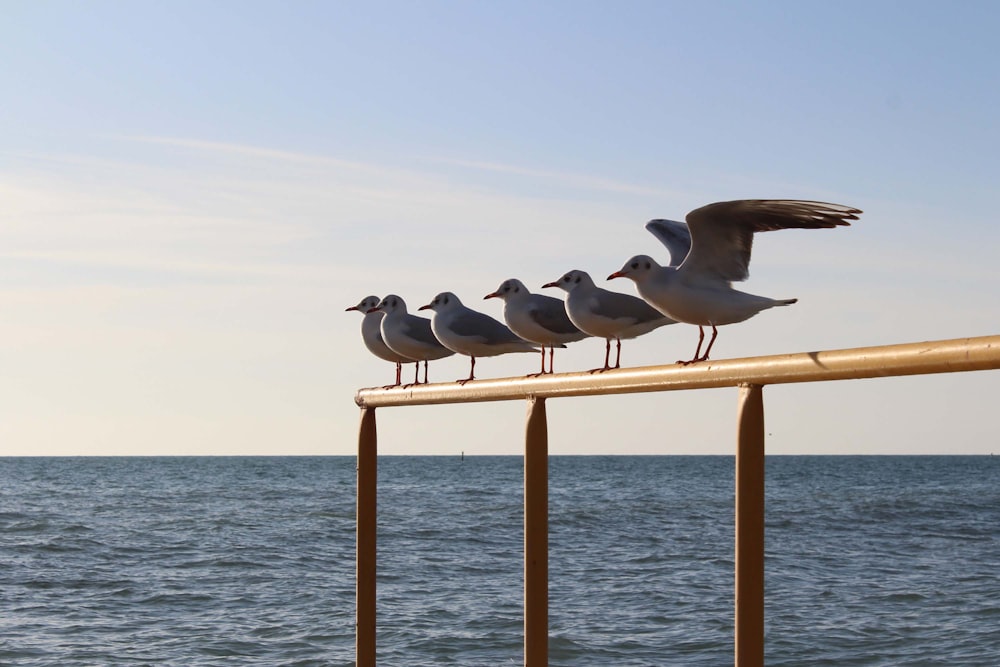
(399, 370)
(416, 376)
(542, 372)
(715, 333)
(472, 372)
(552, 354)
(618, 356)
(701, 337)
(607, 357)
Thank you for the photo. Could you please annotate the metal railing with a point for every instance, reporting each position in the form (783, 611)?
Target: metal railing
(749, 374)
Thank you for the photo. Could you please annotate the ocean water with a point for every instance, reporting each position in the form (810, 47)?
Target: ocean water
(250, 561)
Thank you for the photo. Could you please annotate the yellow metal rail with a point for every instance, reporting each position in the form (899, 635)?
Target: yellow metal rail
(750, 375)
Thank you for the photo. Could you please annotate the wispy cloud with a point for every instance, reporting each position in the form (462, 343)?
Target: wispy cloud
(564, 178)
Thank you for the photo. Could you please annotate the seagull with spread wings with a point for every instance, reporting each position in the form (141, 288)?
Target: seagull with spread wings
(712, 252)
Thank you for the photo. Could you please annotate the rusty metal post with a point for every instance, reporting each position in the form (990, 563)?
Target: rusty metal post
(367, 497)
(750, 527)
(536, 536)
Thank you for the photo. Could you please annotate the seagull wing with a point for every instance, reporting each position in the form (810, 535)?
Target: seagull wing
(675, 235)
(419, 329)
(617, 306)
(550, 314)
(473, 324)
(722, 233)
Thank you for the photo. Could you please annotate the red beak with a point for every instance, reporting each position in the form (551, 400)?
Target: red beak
(491, 295)
(617, 274)
(552, 284)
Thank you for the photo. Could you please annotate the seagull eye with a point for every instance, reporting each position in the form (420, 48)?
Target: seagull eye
(648, 265)
(446, 299)
(635, 265)
(577, 279)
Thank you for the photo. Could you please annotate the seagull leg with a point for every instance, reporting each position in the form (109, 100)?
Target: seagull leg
(607, 357)
(416, 376)
(715, 333)
(552, 354)
(618, 356)
(472, 372)
(697, 352)
(425, 370)
(542, 372)
(399, 370)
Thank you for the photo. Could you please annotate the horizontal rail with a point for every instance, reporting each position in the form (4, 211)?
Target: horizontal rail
(942, 356)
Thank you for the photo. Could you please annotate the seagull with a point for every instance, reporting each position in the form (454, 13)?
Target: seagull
(606, 314)
(409, 335)
(371, 334)
(537, 318)
(696, 287)
(471, 333)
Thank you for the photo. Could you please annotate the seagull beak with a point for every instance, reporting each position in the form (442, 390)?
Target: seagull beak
(491, 295)
(617, 274)
(426, 307)
(347, 310)
(554, 283)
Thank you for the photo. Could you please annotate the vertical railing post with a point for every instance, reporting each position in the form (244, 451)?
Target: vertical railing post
(536, 536)
(750, 527)
(367, 496)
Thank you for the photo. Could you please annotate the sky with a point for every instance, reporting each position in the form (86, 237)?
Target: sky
(191, 195)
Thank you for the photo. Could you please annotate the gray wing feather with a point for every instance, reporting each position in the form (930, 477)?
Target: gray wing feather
(419, 328)
(615, 305)
(470, 323)
(550, 313)
(722, 233)
(674, 235)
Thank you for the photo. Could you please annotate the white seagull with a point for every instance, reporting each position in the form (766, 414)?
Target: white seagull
(409, 335)
(697, 286)
(471, 333)
(606, 314)
(537, 318)
(371, 334)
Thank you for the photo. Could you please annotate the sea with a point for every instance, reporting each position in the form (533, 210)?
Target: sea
(250, 561)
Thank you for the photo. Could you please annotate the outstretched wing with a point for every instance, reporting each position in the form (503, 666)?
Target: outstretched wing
(675, 235)
(722, 233)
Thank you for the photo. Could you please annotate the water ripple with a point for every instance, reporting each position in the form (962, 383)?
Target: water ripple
(870, 561)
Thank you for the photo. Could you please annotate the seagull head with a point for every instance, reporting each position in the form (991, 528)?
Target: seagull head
(509, 289)
(572, 280)
(390, 304)
(366, 305)
(442, 302)
(637, 268)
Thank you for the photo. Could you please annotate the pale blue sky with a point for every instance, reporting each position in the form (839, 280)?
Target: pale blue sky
(191, 193)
